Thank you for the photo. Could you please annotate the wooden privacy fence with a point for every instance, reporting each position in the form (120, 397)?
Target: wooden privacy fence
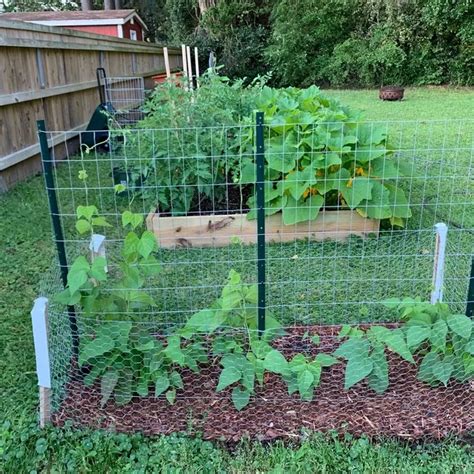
(49, 72)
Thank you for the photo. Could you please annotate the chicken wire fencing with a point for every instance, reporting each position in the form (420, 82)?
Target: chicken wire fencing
(233, 281)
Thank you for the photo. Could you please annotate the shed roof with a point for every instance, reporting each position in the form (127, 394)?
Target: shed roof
(78, 18)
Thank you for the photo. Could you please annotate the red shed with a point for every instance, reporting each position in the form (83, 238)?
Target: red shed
(119, 23)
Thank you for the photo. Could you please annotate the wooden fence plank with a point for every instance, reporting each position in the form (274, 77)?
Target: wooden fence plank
(49, 73)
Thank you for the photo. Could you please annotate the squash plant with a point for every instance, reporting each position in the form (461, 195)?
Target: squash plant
(443, 339)
(318, 155)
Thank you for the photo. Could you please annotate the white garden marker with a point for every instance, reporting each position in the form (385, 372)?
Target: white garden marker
(167, 62)
(39, 319)
(441, 230)
(97, 247)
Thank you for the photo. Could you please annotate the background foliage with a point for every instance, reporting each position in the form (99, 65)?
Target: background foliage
(356, 43)
(372, 42)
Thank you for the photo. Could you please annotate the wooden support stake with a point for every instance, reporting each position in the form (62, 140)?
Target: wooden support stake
(39, 319)
(190, 67)
(167, 62)
(196, 65)
(185, 66)
(441, 230)
(45, 406)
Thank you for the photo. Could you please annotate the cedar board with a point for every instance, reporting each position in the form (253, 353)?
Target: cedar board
(221, 230)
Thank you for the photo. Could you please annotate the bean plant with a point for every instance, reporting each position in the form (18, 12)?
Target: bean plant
(444, 341)
(365, 353)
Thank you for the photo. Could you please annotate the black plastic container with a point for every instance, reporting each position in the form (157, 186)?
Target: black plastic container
(125, 177)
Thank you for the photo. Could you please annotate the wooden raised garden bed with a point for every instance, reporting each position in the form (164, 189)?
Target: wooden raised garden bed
(223, 229)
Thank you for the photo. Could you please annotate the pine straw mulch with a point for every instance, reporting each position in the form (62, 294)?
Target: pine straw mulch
(409, 409)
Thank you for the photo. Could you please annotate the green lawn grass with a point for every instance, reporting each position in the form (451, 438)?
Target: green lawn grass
(26, 253)
(424, 103)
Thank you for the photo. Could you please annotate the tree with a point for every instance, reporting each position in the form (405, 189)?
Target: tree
(38, 5)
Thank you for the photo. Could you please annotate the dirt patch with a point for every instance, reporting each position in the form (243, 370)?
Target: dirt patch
(409, 409)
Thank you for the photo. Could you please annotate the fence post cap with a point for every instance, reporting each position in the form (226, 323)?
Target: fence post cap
(39, 305)
(441, 227)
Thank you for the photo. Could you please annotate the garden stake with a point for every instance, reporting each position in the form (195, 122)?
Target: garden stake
(167, 62)
(185, 67)
(56, 222)
(470, 293)
(441, 230)
(260, 163)
(196, 65)
(97, 248)
(39, 321)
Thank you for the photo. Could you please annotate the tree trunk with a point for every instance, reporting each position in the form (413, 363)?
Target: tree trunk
(206, 4)
(118, 4)
(86, 5)
(109, 5)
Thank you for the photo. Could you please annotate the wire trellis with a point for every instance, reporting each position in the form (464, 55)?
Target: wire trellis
(195, 190)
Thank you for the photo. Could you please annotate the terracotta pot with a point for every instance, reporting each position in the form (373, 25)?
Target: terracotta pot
(391, 93)
(160, 78)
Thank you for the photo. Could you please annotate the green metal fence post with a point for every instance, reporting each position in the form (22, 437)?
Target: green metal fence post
(56, 223)
(470, 293)
(260, 164)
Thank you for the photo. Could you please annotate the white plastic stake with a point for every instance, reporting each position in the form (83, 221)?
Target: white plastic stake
(185, 66)
(441, 230)
(97, 247)
(190, 67)
(212, 60)
(196, 65)
(167, 62)
(39, 320)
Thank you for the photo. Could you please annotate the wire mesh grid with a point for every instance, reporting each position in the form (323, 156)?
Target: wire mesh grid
(126, 96)
(354, 231)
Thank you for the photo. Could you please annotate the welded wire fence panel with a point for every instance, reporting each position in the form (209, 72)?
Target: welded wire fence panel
(168, 334)
(425, 178)
(126, 95)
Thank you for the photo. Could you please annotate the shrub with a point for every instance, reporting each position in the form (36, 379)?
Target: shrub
(365, 43)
